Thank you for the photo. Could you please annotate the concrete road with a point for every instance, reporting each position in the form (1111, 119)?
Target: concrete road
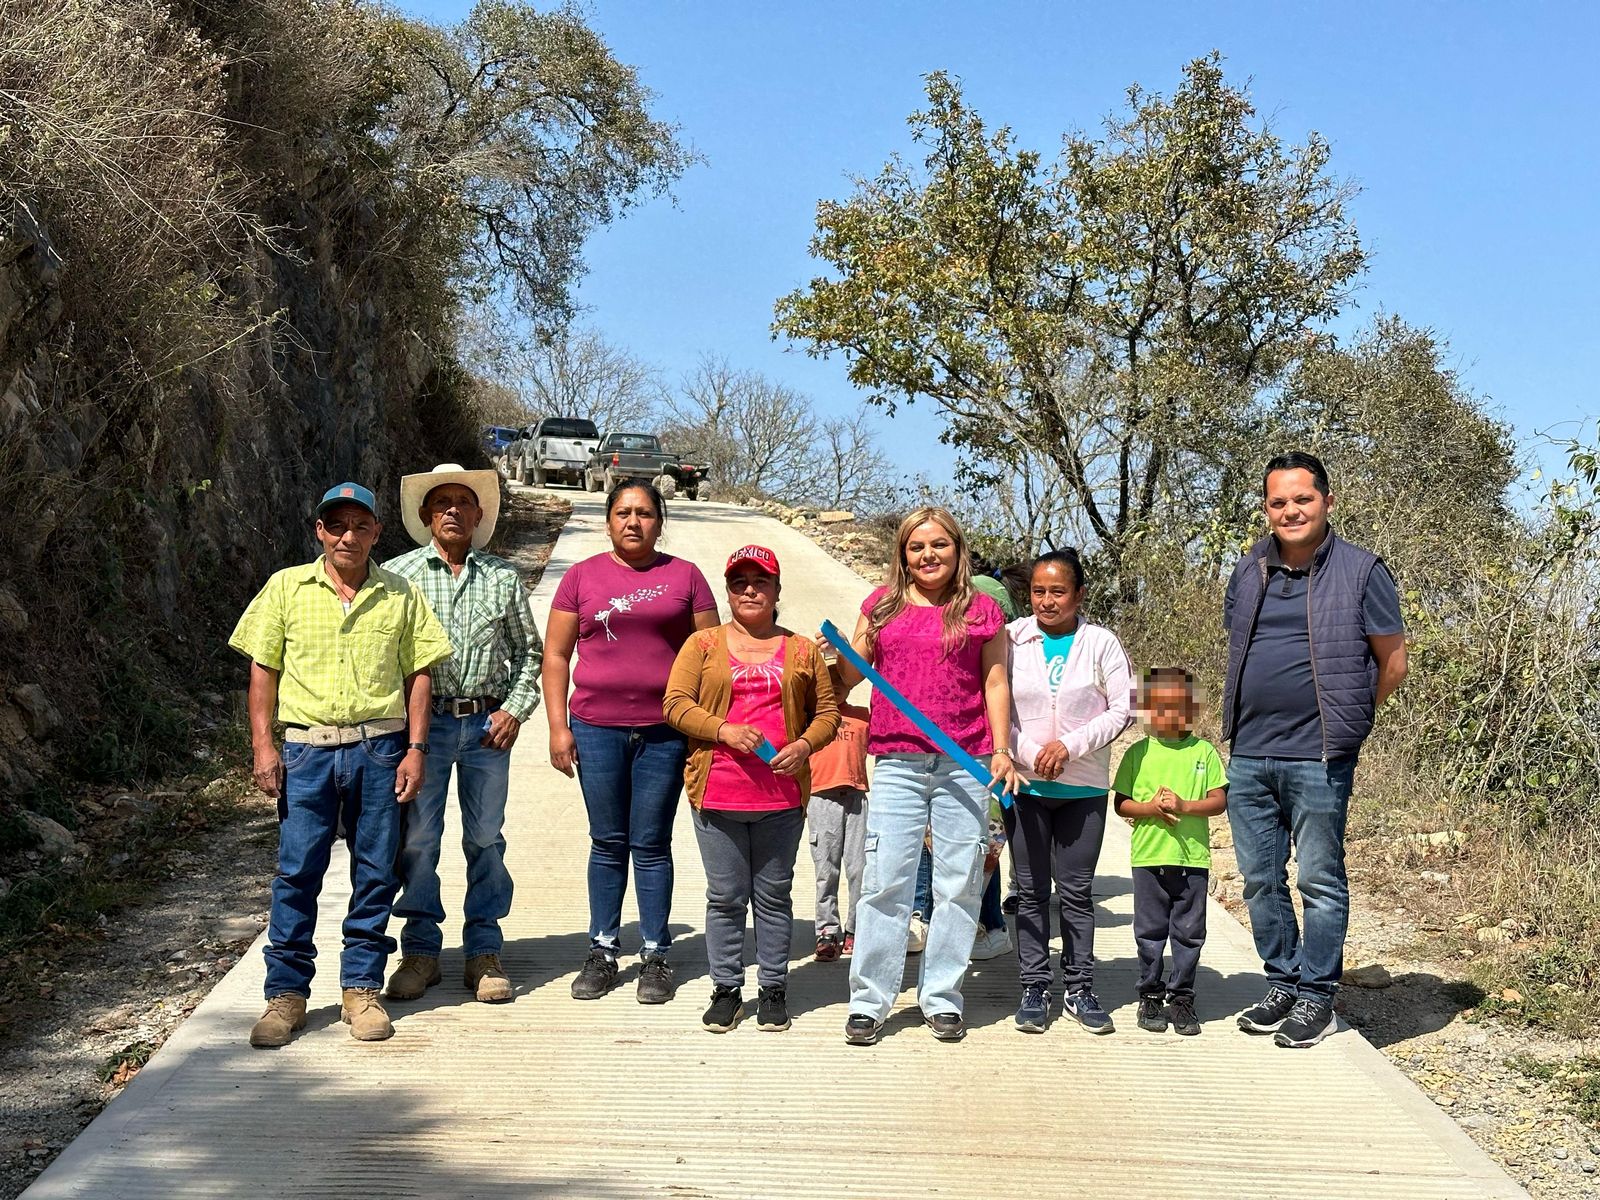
(547, 1096)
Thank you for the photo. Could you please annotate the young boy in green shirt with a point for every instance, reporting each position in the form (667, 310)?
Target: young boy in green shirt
(1170, 785)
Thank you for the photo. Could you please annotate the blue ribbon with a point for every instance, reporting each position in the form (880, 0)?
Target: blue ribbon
(912, 713)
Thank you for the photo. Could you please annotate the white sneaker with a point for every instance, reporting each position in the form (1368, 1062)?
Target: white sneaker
(990, 943)
(918, 937)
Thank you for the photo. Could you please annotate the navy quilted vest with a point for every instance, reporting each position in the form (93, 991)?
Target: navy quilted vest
(1342, 664)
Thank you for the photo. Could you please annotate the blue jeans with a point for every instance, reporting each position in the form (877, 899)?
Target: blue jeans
(482, 776)
(989, 914)
(910, 792)
(631, 779)
(1271, 802)
(321, 785)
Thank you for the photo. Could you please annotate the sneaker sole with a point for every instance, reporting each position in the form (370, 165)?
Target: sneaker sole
(577, 995)
(766, 1027)
(1279, 1039)
(1186, 1030)
(1032, 1026)
(710, 1028)
(1255, 1027)
(1097, 1031)
(863, 1039)
(952, 1036)
(1152, 1027)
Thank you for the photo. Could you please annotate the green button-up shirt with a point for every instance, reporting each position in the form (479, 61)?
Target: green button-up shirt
(486, 613)
(339, 668)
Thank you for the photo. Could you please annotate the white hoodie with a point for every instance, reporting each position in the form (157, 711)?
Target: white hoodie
(1087, 709)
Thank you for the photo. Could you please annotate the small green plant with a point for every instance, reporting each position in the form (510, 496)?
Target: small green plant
(125, 1063)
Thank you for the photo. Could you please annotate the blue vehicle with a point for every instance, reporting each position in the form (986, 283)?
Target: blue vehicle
(497, 437)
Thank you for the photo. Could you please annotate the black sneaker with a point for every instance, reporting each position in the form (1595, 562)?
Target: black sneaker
(727, 1006)
(1011, 904)
(1310, 1022)
(656, 985)
(1033, 1014)
(947, 1027)
(1181, 1009)
(772, 1009)
(1085, 1008)
(1152, 1016)
(862, 1030)
(1268, 1013)
(598, 974)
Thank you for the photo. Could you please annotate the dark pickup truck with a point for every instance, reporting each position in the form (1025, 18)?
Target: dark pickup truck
(640, 455)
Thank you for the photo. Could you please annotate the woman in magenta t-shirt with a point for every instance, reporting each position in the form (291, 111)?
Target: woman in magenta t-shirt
(625, 613)
(941, 643)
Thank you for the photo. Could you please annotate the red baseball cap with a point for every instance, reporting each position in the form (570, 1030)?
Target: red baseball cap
(758, 555)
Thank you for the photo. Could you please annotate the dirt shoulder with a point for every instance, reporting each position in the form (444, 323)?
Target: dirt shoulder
(84, 1003)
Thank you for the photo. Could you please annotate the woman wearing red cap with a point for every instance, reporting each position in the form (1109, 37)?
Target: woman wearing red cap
(755, 701)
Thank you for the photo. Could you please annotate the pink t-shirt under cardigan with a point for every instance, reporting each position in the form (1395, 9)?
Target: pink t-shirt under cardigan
(742, 782)
(948, 689)
(631, 624)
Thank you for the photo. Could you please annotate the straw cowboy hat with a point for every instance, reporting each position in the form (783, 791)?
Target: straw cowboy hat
(414, 489)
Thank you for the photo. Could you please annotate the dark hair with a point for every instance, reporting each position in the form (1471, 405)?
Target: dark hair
(1298, 460)
(1066, 557)
(1154, 677)
(644, 485)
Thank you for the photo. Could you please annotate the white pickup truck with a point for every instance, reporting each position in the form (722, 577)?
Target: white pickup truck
(556, 450)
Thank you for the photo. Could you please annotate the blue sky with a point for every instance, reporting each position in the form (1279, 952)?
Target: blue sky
(1471, 128)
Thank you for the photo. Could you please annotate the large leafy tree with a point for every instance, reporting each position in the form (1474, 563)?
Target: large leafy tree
(517, 133)
(1118, 314)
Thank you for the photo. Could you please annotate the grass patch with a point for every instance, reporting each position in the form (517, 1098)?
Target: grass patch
(1576, 1080)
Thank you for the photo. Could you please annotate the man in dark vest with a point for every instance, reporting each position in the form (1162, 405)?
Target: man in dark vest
(1315, 645)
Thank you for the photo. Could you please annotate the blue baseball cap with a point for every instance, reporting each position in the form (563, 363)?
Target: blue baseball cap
(348, 493)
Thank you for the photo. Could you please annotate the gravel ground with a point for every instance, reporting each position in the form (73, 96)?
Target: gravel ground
(82, 1009)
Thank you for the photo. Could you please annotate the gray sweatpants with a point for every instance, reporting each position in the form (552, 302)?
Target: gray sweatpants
(749, 861)
(838, 820)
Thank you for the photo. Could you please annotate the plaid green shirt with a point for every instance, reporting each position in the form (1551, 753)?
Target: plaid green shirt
(485, 611)
(339, 668)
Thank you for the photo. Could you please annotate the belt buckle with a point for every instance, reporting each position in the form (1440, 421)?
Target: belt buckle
(323, 737)
(463, 708)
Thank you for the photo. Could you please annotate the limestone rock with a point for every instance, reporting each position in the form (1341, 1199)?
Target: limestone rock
(835, 516)
(13, 617)
(41, 716)
(1374, 975)
(53, 837)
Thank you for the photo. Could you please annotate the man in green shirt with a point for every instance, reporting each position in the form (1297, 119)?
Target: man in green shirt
(1170, 785)
(339, 652)
(481, 697)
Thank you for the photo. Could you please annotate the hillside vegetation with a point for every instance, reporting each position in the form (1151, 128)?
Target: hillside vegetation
(234, 242)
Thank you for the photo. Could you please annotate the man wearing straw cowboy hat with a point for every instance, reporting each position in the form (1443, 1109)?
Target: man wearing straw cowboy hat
(481, 697)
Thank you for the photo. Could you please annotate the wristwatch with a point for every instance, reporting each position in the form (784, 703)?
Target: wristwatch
(422, 746)
(1007, 751)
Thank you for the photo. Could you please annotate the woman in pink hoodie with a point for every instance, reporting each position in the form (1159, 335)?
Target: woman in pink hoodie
(1071, 687)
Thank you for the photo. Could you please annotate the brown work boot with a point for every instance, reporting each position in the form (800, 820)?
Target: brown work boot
(485, 977)
(285, 1015)
(365, 1016)
(415, 975)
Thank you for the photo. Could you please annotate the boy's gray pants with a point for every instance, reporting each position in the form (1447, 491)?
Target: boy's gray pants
(838, 819)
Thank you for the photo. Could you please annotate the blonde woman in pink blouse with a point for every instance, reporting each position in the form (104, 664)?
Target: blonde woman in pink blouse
(942, 645)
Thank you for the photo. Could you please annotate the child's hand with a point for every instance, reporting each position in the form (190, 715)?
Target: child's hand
(1169, 805)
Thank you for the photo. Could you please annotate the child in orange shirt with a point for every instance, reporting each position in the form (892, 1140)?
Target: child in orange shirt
(838, 817)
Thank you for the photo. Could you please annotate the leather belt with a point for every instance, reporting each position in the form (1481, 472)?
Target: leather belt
(343, 735)
(463, 706)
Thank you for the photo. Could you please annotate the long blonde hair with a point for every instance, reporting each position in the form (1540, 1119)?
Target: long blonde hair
(958, 593)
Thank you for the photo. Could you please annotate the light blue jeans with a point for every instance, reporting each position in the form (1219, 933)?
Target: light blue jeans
(910, 792)
(482, 775)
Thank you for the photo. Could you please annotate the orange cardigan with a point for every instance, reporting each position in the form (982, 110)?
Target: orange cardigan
(700, 692)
